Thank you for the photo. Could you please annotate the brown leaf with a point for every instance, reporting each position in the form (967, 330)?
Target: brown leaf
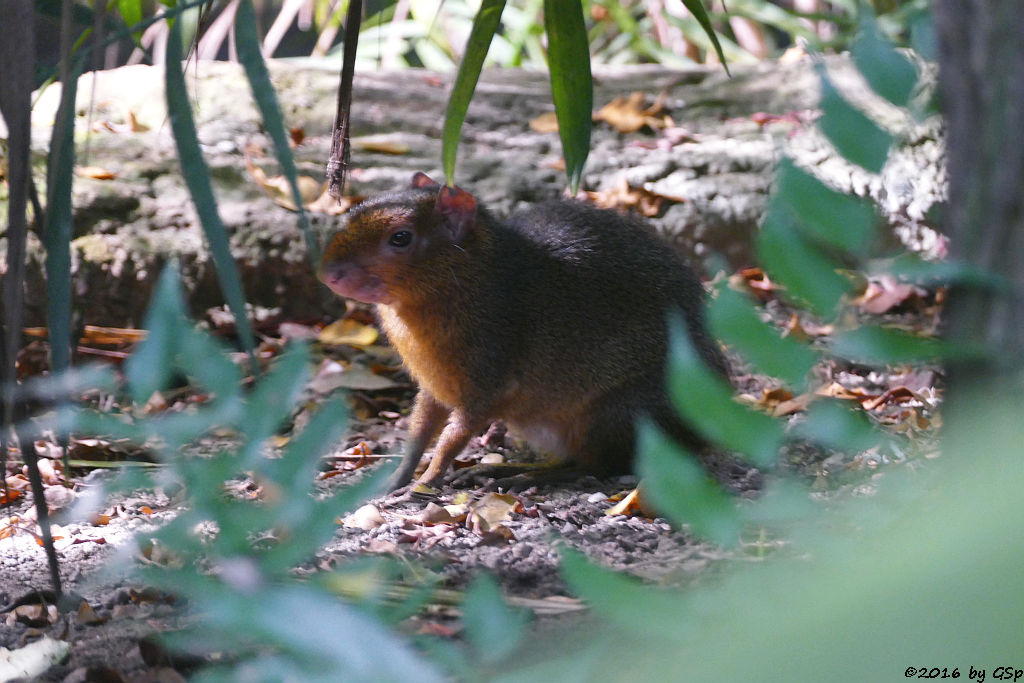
(9, 495)
(37, 615)
(333, 375)
(756, 280)
(295, 331)
(628, 115)
(458, 512)
(499, 535)
(349, 332)
(837, 390)
(624, 196)
(545, 123)
(94, 172)
(492, 509)
(435, 514)
(899, 394)
(111, 336)
(632, 504)
(367, 518)
(794, 405)
(804, 330)
(385, 144)
(884, 294)
(327, 204)
(279, 189)
(87, 615)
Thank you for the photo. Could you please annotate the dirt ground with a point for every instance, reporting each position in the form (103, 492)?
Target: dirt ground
(110, 618)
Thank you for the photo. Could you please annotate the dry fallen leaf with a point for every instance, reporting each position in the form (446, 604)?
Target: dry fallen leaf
(94, 172)
(492, 459)
(367, 518)
(756, 280)
(628, 115)
(545, 123)
(295, 331)
(279, 189)
(458, 512)
(622, 195)
(899, 394)
(87, 615)
(837, 390)
(9, 495)
(333, 375)
(490, 511)
(36, 615)
(793, 405)
(435, 514)
(629, 505)
(327, 204)
(385, 144)
(886, 293)
(348, 331)
(804, 330)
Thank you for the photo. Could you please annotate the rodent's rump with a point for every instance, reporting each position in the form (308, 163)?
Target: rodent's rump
(554, 321)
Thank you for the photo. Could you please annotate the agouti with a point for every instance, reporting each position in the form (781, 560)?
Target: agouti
(554, 321)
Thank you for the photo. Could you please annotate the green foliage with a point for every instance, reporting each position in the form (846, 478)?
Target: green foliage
(936, 552)
(232, 557)
(834, 425)
(855, 136)
(197, 178)
(889, 73)
(619, 599)
(57, 234)
(871, 587)
(733, 319)
(484, 26)
(700, 14)
(266, 99)
(493, 629)
(680, 488)
(808, 272)
(705, 400)
(571, 85)
(811, 233)
(808, 227)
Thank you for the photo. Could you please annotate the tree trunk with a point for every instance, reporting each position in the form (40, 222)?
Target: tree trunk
(982, 87)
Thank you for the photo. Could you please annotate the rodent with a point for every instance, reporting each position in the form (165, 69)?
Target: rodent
(553, 321)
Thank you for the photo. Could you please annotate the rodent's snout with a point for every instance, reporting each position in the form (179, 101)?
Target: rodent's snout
(354, 281)
(332, 272)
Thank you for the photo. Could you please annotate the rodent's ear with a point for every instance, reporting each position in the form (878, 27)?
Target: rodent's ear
(458, 211)
(421, 179)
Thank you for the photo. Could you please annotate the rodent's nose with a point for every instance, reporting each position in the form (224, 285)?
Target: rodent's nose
(332, 273)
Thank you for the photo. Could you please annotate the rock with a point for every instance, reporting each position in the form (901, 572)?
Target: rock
(714, 170)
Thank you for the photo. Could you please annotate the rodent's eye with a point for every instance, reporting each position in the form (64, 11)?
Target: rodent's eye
(402, 238)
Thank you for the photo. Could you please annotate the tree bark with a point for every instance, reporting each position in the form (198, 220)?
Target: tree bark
(982, 88)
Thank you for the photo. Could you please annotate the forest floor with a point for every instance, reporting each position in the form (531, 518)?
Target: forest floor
(109, 618)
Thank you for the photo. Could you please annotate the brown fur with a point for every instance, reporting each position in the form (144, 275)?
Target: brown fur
(554, 321)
